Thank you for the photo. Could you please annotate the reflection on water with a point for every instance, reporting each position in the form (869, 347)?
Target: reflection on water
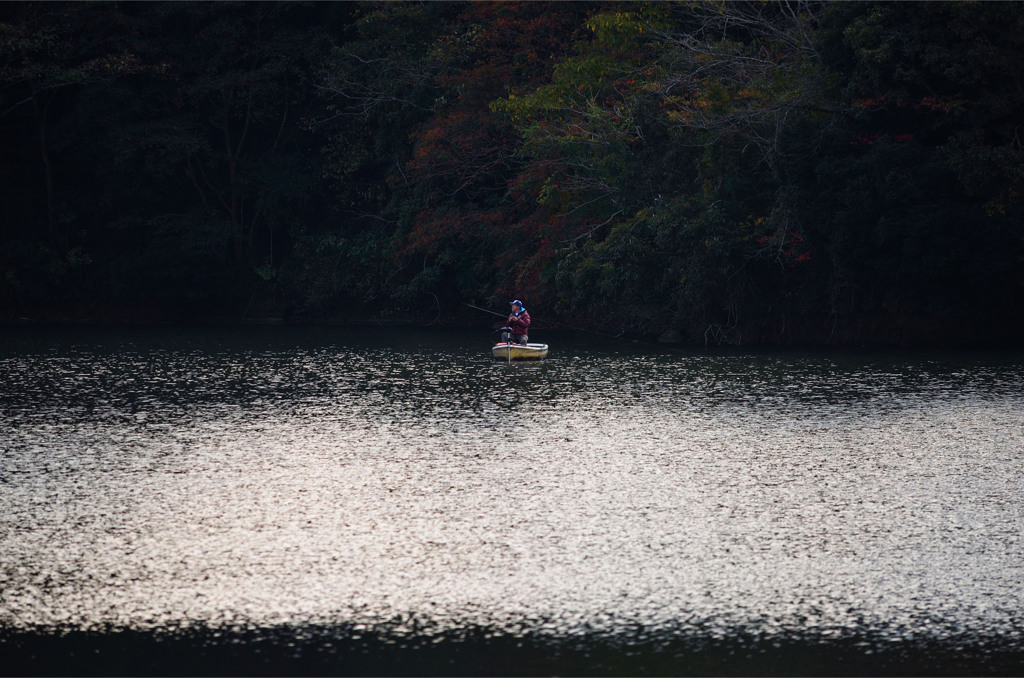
(240, 480)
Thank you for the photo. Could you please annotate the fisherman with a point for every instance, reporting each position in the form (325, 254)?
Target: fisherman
(518, 323)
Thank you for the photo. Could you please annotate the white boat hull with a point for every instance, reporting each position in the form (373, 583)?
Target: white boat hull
(519, 351)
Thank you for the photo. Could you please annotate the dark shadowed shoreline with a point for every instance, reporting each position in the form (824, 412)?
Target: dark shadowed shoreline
(339, 650)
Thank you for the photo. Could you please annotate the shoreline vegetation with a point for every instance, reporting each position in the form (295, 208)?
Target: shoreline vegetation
(865, 331)
(719, 173)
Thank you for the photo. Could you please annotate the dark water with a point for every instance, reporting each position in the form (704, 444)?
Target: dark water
(335, 501)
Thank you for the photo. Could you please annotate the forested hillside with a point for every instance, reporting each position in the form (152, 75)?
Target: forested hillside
(794, 172)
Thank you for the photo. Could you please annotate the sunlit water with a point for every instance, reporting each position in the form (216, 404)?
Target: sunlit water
(251, 478)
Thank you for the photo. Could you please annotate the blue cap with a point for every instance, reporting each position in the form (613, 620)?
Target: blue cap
(518, 302)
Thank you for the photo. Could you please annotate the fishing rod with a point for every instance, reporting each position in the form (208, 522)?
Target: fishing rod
(549, 322)
(485, 310)
(508, 342)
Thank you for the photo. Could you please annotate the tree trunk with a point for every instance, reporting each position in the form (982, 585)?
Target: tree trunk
(41, 110)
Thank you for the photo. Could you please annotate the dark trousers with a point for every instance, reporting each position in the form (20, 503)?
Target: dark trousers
(515, 338)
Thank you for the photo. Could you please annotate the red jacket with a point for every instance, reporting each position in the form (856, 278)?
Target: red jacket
(520, 323)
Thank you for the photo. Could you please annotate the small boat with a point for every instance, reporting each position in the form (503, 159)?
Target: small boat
(505, 351)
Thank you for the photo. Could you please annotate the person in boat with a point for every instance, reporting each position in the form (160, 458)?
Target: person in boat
(518, 323)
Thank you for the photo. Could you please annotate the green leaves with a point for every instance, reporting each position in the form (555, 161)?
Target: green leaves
(691, 164)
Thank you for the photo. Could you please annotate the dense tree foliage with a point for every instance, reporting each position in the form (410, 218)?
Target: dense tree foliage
(762, 172)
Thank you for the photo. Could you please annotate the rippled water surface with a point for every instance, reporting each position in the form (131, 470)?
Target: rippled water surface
(241, 478)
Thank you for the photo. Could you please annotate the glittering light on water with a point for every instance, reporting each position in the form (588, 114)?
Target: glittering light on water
(426, 487)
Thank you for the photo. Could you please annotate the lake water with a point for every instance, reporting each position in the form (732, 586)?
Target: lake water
(334, 500)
